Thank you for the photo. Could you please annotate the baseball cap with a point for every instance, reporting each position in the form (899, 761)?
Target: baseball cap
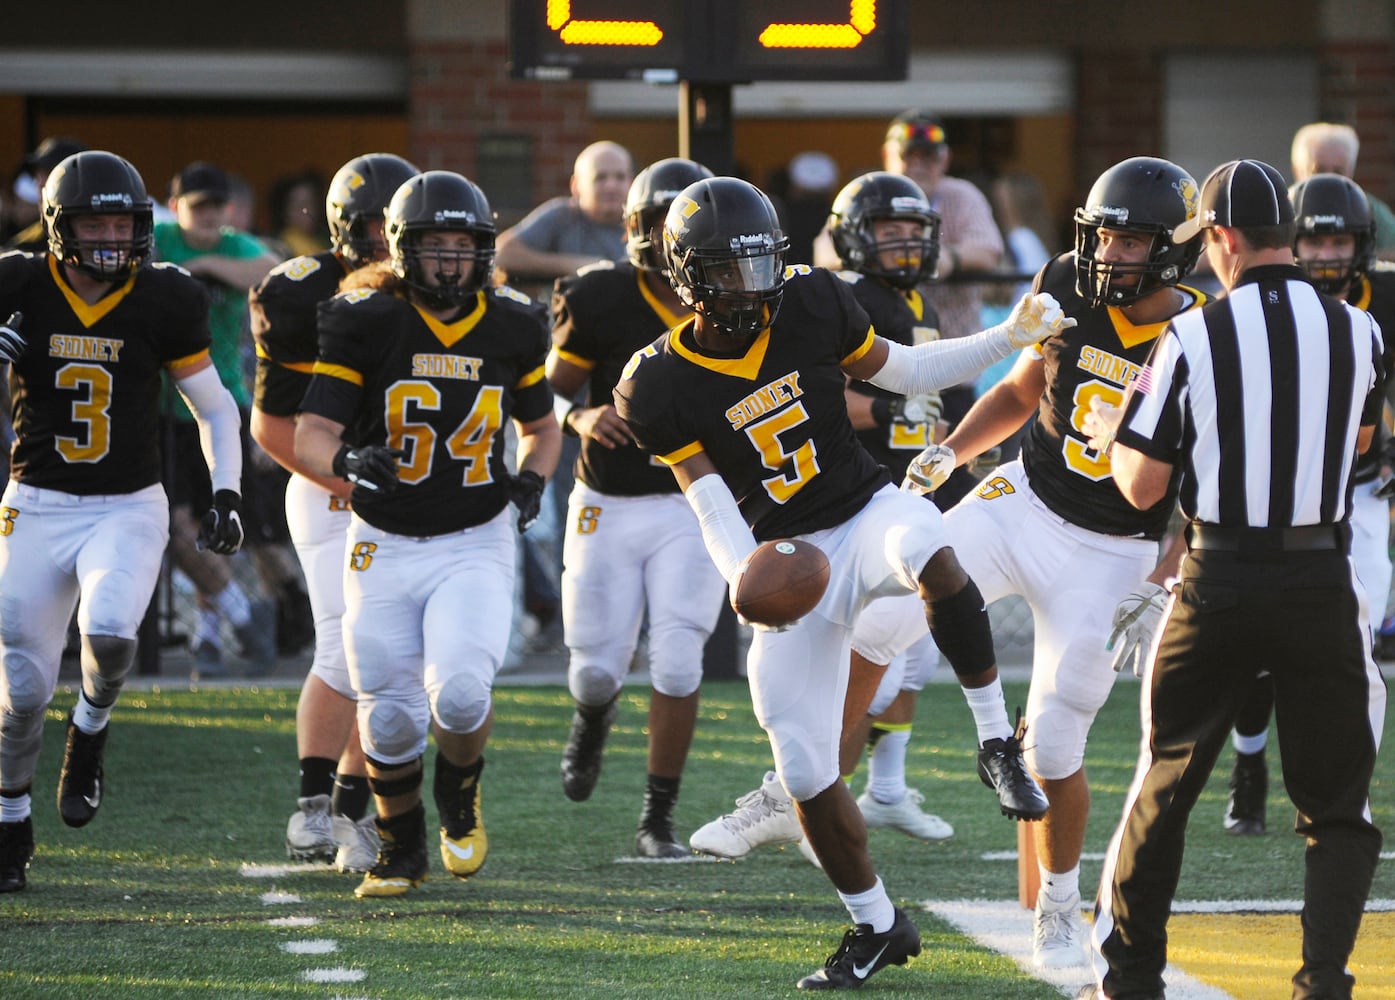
(916, 130)
(201, 181)
(51, 152)
(1242, 194)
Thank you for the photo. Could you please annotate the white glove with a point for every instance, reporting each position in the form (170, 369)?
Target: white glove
(11, 342)
(923, 408)
(929, 470)
(1034, 318)
(1135, 620)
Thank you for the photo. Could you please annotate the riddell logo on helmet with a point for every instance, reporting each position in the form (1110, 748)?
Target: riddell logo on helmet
(905, 203)
(447, 214)
(749, 240)
(1115, 214)
(120, 198)
(1325, 220)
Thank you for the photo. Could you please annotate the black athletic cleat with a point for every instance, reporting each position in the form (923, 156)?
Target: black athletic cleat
(1001, 767)
(402, 863)
(864, 952)
(1249, 787)
(656, 840)
(16, 851)
(80, 783)
(581, 760)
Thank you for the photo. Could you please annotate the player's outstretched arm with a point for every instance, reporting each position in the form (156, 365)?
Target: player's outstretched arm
(724, 531)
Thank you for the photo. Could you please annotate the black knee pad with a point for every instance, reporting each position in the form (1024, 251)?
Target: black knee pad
(391, 787)
(960, 626)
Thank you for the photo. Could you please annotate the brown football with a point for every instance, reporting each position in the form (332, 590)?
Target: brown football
(780, 582)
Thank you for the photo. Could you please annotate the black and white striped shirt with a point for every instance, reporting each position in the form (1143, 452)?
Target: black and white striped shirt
(1258, 398)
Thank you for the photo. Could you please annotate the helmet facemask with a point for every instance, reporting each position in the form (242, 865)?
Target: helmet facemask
(104, 260)
(1106, 283)
(459, 273)
(644, 250)
(914, 258)
(739, 293)
(1334, 275)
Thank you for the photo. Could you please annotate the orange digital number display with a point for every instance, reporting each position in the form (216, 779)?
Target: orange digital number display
(711, 41)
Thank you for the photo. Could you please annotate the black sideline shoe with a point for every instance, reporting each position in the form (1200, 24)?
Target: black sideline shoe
(581, 760)
(656, 840)
(1001, 768)
(863, 953)
(1249, 787)
(16, 850)
(80, 783)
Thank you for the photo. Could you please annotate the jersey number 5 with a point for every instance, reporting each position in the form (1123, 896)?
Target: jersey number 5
(794, 468)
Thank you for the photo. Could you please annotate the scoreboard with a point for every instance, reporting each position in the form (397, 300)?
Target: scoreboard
(708, 41)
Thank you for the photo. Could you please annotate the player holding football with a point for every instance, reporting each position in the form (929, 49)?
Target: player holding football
(1052, 527)
(331, 820)
(632, 544)
(421, 362)
(746, 400)
(84, 520)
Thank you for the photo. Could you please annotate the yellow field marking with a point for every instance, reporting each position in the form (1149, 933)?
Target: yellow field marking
(1252, 956)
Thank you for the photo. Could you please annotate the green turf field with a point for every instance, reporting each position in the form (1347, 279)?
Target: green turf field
(162, 897)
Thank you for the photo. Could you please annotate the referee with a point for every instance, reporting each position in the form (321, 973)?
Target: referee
(1261, 402)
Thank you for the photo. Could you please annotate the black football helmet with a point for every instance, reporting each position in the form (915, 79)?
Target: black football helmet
(651, 192)
(1327, 204)
(97, 183)
(726, 254)
(440, 200)
(1143, 194)
(360, 190)
(880, 195)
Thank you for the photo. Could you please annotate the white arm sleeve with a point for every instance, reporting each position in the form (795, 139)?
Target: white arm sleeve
(725, 534)
(939, 364)
(219, 423)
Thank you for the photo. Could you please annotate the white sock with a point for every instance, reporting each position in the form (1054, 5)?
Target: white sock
(88, 717)
(206, 632)
(1249, 744)
(886, 768)
(990, 712)
(233, 605)
(871, 907)
(14, 808)
(1059, 886)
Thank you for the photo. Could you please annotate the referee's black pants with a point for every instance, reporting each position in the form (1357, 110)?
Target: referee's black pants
(1298, 614)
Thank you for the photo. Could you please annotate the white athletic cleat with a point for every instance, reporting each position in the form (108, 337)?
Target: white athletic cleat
(309, 834)
(1059, 933)
(763, 816)
(906, 816)
(807, 849)
(358, 844)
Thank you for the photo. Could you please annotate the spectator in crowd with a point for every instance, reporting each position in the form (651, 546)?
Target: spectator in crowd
(1332, 148)
(571, 231)
(297, 205)
(28, 184)
(228, 263)
(812, 183)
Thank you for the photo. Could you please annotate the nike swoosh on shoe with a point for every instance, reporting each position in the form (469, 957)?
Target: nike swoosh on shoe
(863, 971)
(95, 799)
(464, 855)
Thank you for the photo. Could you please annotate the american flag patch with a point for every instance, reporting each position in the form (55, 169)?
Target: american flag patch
(1144, 382)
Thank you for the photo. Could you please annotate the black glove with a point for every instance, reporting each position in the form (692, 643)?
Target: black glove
(374, 467)
(221, 529)
(525, 493)
(11, 343)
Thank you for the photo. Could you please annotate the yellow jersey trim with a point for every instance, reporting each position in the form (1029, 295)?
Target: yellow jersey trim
(88, 314)
(339, 372)
(861, 352)
(686, 452)
(450, 334)
(746, 366)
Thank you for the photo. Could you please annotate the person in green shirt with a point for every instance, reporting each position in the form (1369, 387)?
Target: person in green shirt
(228, 262)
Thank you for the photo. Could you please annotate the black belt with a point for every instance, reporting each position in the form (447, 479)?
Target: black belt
(1303, 538)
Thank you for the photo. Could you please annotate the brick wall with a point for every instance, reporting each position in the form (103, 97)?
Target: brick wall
(460, 90)
(1120, 110)
(1356, 85)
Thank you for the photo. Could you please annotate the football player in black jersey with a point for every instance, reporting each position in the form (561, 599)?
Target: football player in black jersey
(1336, 245)
(1053, 527)
(632, 544)
(330, 821)
(745, 402)
(887, 236)
(84, 520)
(421, 364)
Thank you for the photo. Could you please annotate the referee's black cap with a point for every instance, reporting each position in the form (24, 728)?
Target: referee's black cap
(1242, 194)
